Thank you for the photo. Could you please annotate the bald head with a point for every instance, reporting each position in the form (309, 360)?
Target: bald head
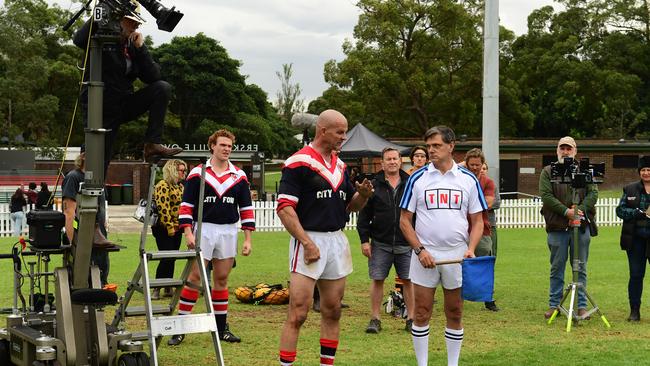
(331, 127)
(330, 118)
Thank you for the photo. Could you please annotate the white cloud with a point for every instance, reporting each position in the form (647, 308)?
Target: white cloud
(264, 34)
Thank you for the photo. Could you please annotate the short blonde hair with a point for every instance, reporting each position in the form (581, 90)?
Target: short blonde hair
(170, 171)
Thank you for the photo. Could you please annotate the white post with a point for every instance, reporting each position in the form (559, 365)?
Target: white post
(491, 88)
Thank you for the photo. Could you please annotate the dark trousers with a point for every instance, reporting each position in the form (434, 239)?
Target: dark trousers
(99, 257)
(164, 242)
(637, 258)
(122, 108)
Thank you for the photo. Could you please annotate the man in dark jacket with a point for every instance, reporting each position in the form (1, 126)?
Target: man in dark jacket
(122, 63)
(558, 211)
(379, 221)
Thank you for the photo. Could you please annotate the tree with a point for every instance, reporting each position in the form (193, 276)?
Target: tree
(210, 93)
(578, 77)
(288, 97)
(414, 64)
(38, 77)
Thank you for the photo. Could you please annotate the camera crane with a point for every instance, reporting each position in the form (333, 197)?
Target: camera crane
(77, 334)
(576, 174)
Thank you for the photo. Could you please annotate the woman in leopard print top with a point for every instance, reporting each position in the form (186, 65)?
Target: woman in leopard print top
(167, 196)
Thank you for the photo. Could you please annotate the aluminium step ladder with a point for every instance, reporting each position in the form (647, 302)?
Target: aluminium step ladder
(160, 321)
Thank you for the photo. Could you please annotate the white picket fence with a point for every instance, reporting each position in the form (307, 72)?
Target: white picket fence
(519, 213)
(526, 213)
(6, 226)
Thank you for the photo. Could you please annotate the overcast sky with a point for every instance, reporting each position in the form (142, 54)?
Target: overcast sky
(264, 34)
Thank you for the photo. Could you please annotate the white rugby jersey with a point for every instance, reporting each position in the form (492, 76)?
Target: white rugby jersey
(441, 203)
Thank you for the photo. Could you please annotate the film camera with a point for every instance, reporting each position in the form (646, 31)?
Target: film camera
(109, 12)
(577, 173)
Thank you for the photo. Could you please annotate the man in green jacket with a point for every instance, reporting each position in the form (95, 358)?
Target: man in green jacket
(558, 211)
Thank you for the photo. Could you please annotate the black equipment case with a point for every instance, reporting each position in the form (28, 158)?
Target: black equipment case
(45, 228)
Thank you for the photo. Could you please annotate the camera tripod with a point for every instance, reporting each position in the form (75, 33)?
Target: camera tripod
(571, 292)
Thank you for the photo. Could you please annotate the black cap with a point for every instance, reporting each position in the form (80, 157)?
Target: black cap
(644, 162)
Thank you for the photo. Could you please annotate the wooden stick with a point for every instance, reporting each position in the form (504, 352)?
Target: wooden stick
(449, 261)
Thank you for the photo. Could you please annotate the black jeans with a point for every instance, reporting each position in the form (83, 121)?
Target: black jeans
(122, 108)
(99, 257)
(164, 242)
(637, 258)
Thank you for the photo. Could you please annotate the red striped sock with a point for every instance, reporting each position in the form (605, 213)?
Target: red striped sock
(220, 307)
(328, 351)
(187, 300)
(287, 358)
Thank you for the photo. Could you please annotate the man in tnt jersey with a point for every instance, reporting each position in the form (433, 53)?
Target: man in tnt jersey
(441, 196)
(227, 198)
(315, 198)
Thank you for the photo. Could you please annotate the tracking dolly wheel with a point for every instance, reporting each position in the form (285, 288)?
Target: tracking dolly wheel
(133, 359)
(143, 358)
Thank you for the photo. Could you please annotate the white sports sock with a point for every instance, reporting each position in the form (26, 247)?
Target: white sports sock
(420, 337)
(453, 339)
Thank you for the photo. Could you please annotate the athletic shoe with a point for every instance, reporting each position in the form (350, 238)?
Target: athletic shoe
(492, 306)
(227, 336)
(409, 325)
(374, 326)
(176, 339)
(155, 294)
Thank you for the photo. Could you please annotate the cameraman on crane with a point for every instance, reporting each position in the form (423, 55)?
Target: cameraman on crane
(122, 63)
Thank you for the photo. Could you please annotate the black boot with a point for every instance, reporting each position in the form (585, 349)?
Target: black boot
(492, 306)
(635, 315)
(227, 336)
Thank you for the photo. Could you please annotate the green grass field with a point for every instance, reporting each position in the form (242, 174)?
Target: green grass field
(517, 335)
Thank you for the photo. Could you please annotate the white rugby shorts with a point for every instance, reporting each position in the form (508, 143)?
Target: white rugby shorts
(450, 275)
(335, 258)
(218, 241)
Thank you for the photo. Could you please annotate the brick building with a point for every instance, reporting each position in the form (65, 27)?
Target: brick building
(137, 173)
(521, 161)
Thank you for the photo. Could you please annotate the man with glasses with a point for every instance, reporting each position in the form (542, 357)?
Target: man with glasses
(441, 196)
(474, 160)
